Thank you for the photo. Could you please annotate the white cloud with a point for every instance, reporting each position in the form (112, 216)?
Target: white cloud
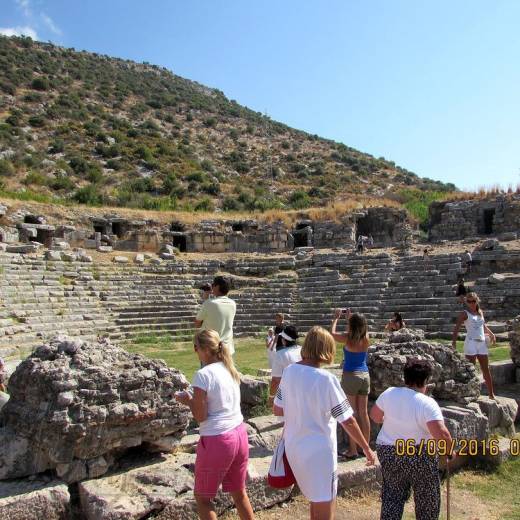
(19, 31)
(25, 6)
(49, 22)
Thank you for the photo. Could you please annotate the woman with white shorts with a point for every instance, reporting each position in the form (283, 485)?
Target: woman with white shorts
(475, 344)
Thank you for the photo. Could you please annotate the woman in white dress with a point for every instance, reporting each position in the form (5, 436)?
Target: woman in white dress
(311, 401)
(475, 344)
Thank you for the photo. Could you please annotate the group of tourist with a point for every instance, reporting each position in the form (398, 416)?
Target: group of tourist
(311, 401)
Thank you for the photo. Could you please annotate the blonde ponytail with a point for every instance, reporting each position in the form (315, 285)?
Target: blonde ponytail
(210, 340)
(225, 356)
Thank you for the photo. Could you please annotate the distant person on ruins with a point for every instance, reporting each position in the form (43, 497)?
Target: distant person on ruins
(223, 448)
(289, 353)
(218, 313)
(311, 401)
(205, 291)
(279, 325)
(370, 241)
(426, 253)
(475, 343)
(461, 290)
(468, 261)
(396, 323)
(361, 243)
(270, 345)
(355, 380)
(409, 416)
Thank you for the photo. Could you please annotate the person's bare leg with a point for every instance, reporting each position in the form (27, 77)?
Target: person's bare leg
(484, 366)
(323, 510)
(362, 416)
(352, 445)
(472, 359)
(205, 508)
(244, 509)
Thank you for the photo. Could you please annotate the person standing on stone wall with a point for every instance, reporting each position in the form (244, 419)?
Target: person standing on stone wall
(410, 417)
(355, 380)
(223, 448)
(218, 313)
(475, 343)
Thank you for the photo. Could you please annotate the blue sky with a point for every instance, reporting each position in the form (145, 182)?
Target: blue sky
(432, 85)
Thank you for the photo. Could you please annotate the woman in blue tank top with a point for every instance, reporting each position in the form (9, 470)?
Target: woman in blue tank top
(355, 380)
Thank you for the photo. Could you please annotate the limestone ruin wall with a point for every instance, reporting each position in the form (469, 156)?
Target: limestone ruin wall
(457, 220)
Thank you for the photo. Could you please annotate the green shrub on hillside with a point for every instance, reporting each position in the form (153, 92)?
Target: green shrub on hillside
(204, 204)
(299, 199)
(417, 203)
(6, 168)
(40, 84)
(89, 195)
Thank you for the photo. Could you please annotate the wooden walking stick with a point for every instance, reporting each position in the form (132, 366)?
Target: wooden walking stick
(448, 487)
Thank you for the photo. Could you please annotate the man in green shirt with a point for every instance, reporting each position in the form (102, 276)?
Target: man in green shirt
(218, 313)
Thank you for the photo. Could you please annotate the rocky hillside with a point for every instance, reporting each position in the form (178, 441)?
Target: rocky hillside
(76, 126)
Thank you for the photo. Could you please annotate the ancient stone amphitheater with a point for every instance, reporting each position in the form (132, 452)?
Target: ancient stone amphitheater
(91, 431)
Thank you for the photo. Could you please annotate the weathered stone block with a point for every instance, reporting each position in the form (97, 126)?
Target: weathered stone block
(34, 500)
(73, 402)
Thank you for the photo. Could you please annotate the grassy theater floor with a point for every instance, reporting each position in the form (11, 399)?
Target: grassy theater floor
(250, 352)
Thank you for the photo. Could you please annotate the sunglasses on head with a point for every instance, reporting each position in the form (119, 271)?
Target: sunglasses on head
(471, 301)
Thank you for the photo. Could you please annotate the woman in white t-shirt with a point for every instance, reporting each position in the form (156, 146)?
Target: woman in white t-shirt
(311, 401)
(410, 419)
(475, 343)
(223, 448)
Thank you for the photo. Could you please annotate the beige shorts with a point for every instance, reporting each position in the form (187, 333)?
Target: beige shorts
(355, 383)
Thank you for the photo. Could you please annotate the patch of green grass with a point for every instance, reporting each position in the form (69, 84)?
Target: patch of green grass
(500, 486)
(64, 280)
(250, 353)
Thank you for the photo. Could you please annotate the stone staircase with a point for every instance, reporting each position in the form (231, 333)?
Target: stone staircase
(40, 299)
(149, 303)
(422, 291)
(340, 281)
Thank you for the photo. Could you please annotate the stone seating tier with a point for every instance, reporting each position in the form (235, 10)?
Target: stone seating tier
(124, 300)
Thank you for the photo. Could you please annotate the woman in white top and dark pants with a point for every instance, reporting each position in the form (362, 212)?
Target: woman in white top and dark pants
(311, 401)
(475, 344)
(223, 448)
(409, 415)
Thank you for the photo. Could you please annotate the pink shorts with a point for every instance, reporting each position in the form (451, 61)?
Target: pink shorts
(222, 459)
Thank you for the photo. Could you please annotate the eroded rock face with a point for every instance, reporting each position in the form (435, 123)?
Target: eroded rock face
(454, 377)
(74, 406)
(34, 500)
(514, 341)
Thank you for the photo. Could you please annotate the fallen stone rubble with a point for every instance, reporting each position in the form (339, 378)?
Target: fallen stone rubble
(455, 378)
(76, 406)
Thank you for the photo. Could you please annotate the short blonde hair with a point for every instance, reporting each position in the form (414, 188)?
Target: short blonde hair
(319, 345)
